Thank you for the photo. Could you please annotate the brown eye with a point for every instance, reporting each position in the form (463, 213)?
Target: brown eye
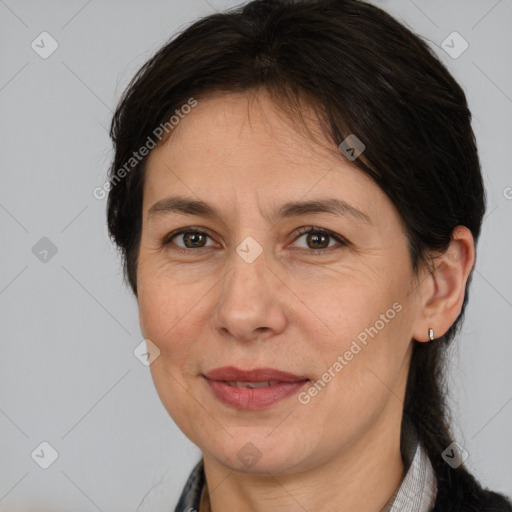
(318, 240)
(193, 240)
(187, 240)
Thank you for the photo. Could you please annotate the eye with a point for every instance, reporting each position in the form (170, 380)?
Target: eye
(192, 239)
(317, 239)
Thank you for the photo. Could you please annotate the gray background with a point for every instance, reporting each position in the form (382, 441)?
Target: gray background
(68, 375)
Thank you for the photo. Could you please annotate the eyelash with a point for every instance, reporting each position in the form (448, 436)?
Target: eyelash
(167, 240)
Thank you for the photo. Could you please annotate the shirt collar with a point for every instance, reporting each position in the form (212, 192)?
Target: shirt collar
(418, 488)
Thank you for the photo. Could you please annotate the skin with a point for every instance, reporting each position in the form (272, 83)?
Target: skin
(292, 308)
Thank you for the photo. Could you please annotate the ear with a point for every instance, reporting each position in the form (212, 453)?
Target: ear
(443, 289)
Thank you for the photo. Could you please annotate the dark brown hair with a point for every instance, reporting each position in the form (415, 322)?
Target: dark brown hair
(365, 74)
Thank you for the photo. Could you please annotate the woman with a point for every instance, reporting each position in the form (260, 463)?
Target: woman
(297, 195)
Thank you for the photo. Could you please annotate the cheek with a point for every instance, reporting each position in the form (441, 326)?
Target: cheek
(344, 308)
(367, 330)
(167, 316)
(162, 299)
(170, 319)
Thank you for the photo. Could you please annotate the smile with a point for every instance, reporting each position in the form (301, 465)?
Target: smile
(252, 389)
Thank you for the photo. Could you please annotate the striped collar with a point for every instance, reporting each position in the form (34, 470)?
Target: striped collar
(418, 488)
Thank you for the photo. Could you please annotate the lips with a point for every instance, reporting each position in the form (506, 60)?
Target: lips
(252, 389)
(230, 373)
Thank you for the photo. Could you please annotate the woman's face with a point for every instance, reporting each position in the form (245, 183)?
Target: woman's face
(336, 307)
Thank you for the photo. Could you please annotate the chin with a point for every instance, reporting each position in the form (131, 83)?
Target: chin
(254, 451)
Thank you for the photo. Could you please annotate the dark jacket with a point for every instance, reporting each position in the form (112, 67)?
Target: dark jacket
(459, 491)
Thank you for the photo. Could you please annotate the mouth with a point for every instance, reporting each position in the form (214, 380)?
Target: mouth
(252, 389)
(252, 385)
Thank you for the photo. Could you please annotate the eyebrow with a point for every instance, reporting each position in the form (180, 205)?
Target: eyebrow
(188, 206)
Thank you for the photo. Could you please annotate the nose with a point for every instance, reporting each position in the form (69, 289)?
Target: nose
(250, 303)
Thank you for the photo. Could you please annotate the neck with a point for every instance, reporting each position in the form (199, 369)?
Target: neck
(361, 479)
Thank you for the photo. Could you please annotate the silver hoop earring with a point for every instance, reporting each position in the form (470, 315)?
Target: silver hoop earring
(431, 334)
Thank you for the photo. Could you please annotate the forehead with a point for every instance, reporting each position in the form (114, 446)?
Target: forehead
(236, 126)
(236, 146)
